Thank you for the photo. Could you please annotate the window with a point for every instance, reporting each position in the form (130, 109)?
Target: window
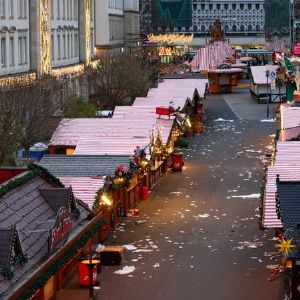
(249, 6)
(218, 6)
(3, 52)
(210, 6)
(76, 44)
(2, 8)
(194, 6)
(257, 28)
(52, 9)
(195, 28)
(202, 6)
(52, 48)
(226, 6)
(11, 8)
(233, 6)
(58, 47)
(58, 9)
(22, 8)
(75, 9)
(242, 28)
(11, 52)
(202, 28)
(257, 6)
(22, 50)
(234, 28)
(250, 28)
(241, 6)
(64, 47)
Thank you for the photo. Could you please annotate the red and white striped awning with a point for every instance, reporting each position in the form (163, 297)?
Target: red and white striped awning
(287, 166)
(84, 188)
(290, 116)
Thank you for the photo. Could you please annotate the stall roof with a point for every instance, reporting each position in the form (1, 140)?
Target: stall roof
(27, 211)
(165, 91)
(83, 165)
(163, 101)
(287, 172)
(259, 73)
(288, 195)
(290, 116)
(287, 134)
(84, 188)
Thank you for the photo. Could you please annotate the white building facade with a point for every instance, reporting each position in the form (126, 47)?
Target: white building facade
(14, 36)
(109, 23)
(237, 17)
(131, 23)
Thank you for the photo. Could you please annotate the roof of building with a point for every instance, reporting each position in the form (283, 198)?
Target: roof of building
(83, 165)
(27, 208)
(288, 194)
(259, 73)
(290, 116)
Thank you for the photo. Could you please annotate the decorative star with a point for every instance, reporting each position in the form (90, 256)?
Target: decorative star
(285, 246)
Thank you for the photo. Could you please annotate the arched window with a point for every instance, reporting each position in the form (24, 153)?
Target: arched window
(257, 28)
(242, 28)
(195, 28)
(234, 28)
(202, 28)
(250, 28)
(241, 6)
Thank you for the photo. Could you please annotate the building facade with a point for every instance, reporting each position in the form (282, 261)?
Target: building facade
(110, 34)
(131, 23)
(14, 37)
(237, 17)
(278, 19)
(242, 21)
(60, 37)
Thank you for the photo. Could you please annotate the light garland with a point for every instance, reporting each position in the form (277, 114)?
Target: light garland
(170, 39)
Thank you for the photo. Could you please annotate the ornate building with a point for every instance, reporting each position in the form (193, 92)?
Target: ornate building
(243, 20)
(60, 37)
(244, 17)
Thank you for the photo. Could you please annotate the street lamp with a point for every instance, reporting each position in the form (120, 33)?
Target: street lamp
(268, 96)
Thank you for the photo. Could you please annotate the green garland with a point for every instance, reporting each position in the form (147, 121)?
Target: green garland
(110, 185)
(261, 207)
(278, 208)
(74, 249)
(34, 170)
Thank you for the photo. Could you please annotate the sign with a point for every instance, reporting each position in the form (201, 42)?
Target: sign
(297, 49)
(273, 76)
(62, 227)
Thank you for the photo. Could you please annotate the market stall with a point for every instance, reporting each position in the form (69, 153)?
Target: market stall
(222, 80)
(260, 84)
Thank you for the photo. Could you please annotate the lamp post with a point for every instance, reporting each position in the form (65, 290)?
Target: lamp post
(268, 96)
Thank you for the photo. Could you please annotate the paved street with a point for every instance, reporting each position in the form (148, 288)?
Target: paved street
(191, 243)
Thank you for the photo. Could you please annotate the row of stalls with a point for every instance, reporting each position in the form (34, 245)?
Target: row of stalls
(56, 213)
(281, 206)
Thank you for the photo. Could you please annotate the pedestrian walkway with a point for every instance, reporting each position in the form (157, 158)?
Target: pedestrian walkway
(197, 236)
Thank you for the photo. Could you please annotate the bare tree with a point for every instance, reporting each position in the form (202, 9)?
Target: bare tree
(118, 79)
(27, 111)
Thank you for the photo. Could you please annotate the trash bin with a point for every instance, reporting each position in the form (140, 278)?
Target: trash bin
(84, 272)
(145, 193)
(177, 161)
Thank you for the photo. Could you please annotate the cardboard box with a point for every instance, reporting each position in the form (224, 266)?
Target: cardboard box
(112, 255)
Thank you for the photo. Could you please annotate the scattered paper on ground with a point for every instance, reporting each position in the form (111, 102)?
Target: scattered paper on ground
(252, 196)
(125, 270)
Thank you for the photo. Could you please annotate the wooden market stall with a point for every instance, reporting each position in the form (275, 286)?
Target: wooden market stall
(43, 228)
(260, 85)
(222, 80)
